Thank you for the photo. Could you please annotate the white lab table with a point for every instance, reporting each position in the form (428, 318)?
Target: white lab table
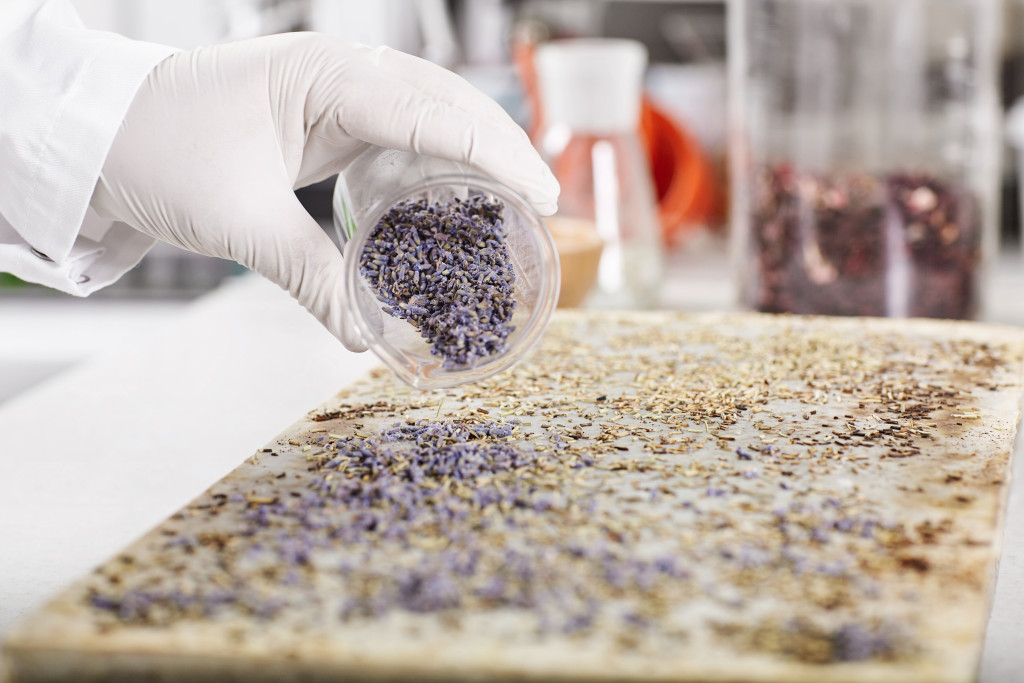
(97, 455)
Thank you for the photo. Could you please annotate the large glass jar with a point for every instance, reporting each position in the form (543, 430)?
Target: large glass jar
(865, 154)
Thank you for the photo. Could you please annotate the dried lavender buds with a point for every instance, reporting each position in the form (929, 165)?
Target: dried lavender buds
(447, 270)
(903, 244)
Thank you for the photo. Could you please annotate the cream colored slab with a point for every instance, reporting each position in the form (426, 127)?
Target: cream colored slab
(702, 498)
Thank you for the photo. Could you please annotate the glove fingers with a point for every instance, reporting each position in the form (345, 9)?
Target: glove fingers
(289, 247)
(399, 116)
(441, 84)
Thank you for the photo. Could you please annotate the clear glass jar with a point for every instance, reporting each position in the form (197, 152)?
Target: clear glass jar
(389, 179)
(865, 145)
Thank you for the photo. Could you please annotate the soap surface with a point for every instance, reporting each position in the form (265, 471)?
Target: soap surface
(646, 497)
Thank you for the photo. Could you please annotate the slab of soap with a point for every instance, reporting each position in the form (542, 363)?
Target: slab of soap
(647, 497)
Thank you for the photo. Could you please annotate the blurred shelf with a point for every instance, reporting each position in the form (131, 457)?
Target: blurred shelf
(700, 277)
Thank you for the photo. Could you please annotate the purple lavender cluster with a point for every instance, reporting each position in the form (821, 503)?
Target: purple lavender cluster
(447, 270)
(445, 479)
(396, 482)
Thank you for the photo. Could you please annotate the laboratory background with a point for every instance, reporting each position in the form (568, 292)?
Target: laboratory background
(708, 213)
(846, 158)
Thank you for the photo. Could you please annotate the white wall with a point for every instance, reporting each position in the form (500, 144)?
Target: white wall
(182, 23)
(190, 23)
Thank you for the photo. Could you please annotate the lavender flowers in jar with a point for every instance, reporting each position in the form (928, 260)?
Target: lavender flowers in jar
(865, 155)
(452, 277)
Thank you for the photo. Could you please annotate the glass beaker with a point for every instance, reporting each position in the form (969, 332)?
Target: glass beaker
(606, 228)
(864, 154)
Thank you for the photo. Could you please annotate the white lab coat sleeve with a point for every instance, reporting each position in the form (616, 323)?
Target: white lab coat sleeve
(64, 91)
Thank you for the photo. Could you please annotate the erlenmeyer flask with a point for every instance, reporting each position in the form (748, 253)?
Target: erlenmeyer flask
(606, 227)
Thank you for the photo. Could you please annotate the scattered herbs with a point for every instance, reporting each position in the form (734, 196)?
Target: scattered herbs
(755, 491)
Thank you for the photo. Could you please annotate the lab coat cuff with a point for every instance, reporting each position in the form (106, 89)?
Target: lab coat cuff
(91, 115)
(89, 265)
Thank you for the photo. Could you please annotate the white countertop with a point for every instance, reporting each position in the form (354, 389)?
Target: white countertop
(99, 454)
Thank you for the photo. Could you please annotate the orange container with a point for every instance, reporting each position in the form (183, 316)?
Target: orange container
(688, 193)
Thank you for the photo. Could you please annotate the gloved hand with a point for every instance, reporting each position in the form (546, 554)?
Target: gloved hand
(217, 138)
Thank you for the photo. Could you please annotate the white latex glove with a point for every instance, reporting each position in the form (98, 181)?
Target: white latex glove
(217, 138)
